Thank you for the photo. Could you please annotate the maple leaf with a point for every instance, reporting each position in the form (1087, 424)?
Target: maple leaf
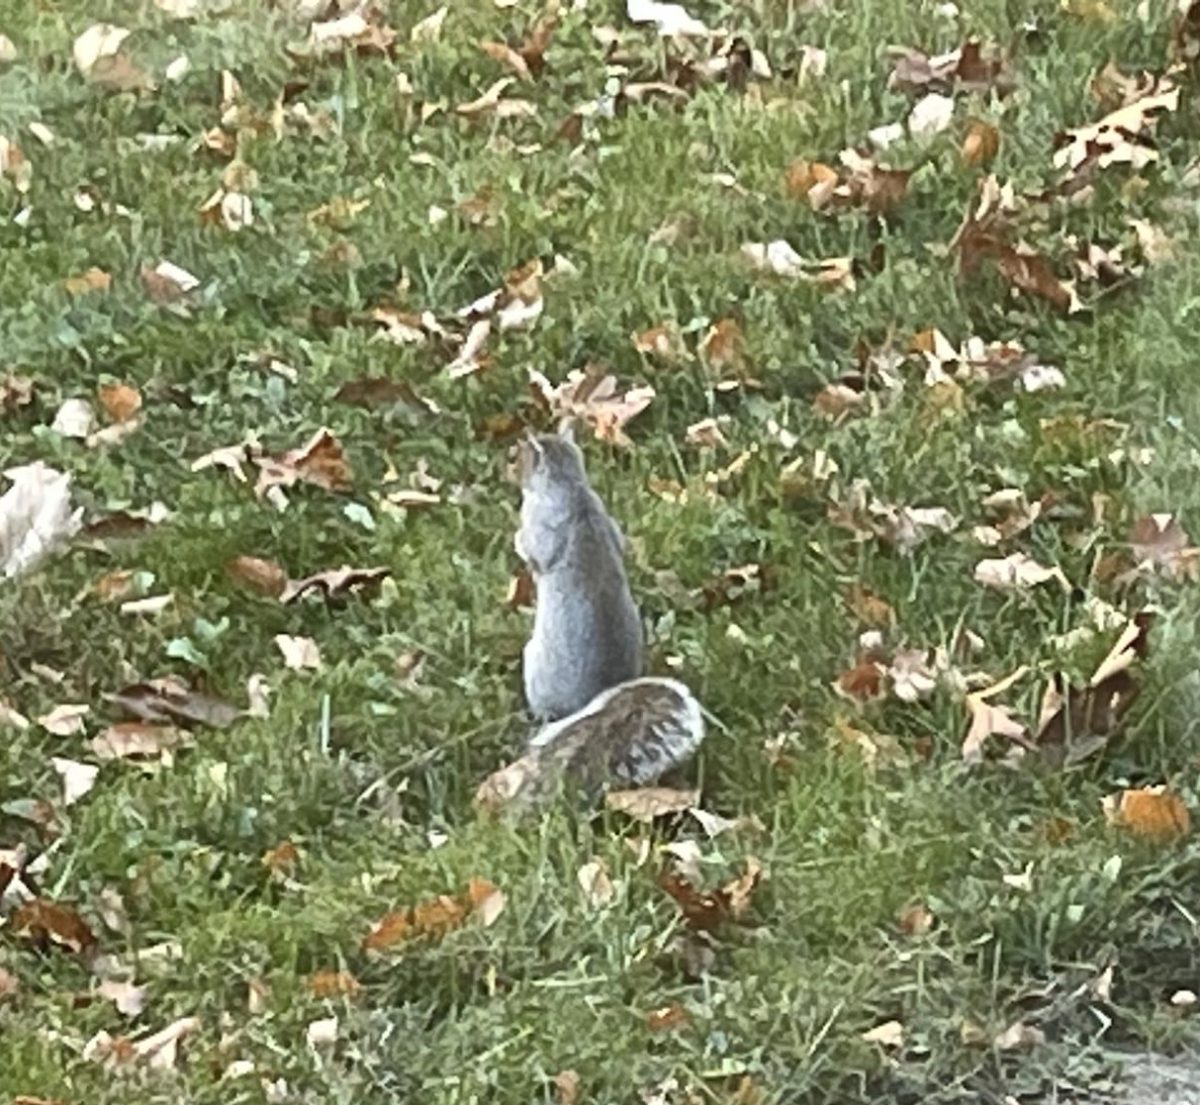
(988, 719)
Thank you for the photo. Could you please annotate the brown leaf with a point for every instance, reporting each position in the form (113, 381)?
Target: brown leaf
(988, 719)
(1159, 543)
(506, 55)
(646, 803)
(93, 280)
(320, 462)
(436, 917)
(381, 391)
(1079, 721)
(663, 342)
(981, 143)
(916, 920)
(964, 69)
(707, 911)
(264, 576)
(869, 608)
(120, 401)
(812, 181)
(43, 922)
(129, 740)
(723, 347)
(1155, 813)
(282, 859)
(1121, 137)
(170, 699)
(861, 683)
(333, 584)
(333, 984)
(592, 396)
(668, 1018)
(10, 986)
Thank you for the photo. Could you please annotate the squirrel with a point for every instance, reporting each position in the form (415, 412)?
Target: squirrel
(629, 734)
(587, 633)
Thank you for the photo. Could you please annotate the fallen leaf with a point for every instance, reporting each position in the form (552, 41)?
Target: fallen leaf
(646, 803)
(506, 55)
(429, 29)
(916, 920)
(93, 280)
(381, 391)
(167, 282)
(320, 462)
(1017, 572)
(36, 517)
(299, 653)
(77, 778)
(129, 999)
(1159, 544)
(282, 859)
(333, 584)
(779, 259)
(668, 1018)
(74, 419)
(160, 1051)
(322, 1033)
(597, 887)
(1118, 138)
(930, 115)
(264, 576)
(670, 19)
(99, 41)
(65, 720)
(988, 719)
(120, 401)
(486, 901)
(980, 144)
(170, 699)
(889, 1034)
(593, 397)
(1019, 1037)
(43, 921)
(333, 984)
(15, 392)
(566, 1087)
(861, 683)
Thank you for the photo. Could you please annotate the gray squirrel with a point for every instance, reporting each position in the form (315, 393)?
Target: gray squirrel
(587, 633)
(582, 665)
(628, 735)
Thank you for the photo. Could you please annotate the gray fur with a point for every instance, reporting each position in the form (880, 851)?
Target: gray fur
(628, 735)
(587, 634)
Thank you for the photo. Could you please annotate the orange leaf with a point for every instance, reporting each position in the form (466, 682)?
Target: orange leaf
(281, 859)
(120, 401)
(667, 1018)
(94, 280)
(1152, 812)
(333, 984)
(981, 144)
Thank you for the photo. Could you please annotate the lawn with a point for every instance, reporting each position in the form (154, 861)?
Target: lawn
(927, 927)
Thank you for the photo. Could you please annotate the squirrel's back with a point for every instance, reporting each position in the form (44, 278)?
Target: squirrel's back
(628, 735)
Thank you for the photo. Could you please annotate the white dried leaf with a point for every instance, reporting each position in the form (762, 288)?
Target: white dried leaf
(129, 999)
(101, 40)
(597, 887)
(931, 115)
(670, 19)
(36, 517)
(8, 51)
(65, 720)
(429, 29)
(1017, 572)
(322, 1033)
(77, 778)
(299, 653)
(74, 419)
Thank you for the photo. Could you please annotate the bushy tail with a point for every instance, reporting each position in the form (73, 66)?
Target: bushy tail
(628, 735)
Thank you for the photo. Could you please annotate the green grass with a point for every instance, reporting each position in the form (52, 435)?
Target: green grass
(491, 1015)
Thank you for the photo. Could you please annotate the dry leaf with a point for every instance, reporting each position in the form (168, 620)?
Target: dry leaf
(916, 920)
(299, 653)
(988, 719)
(1118, 138)
(597, 887)
(930, 115)
(889, 1034)
(93, 280)
(566, 1087)
(333, 984)
(65, 720)
(77, 778)
(36, 517)
(335, 583)
(320, 462)
(980, 144)
(1155, 813)
(43, 921)
(1017, 572)
(170, 699)
(668, 1018)
(136, 740)
(74, 419)
(99, 41)
(264, 576)
(861, 683)
(506, 55)
(593, 397)
(129, 999)
(1158, 543)
(120, 401)
(486, 901)
(779, 259)
(670, 19)
(167, 282)
(1019, 1037)
(646, 803)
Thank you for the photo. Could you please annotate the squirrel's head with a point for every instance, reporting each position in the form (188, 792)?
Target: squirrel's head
(549, 460)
